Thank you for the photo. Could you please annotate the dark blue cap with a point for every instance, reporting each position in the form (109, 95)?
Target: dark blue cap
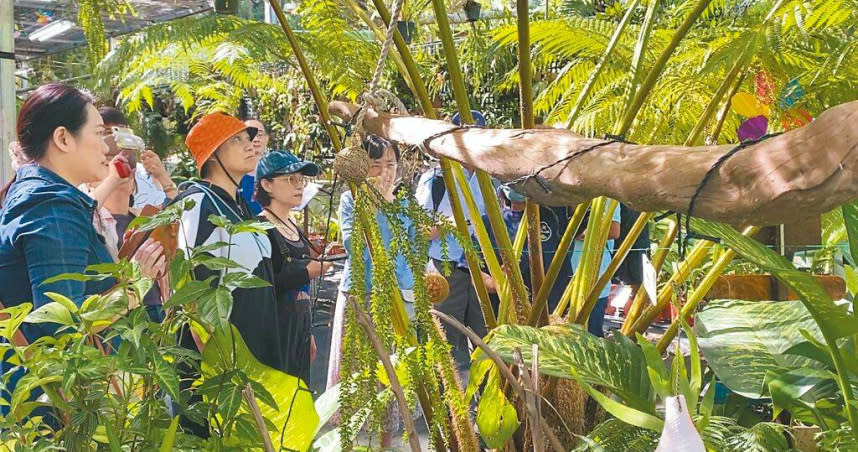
(479, 119)
(281, 162)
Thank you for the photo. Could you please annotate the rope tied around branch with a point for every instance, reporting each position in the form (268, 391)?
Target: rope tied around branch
(375, 97)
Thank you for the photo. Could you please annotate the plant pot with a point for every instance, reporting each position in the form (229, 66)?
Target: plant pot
(226, 6)
(804, 437)
(472, 11)
(406, 29)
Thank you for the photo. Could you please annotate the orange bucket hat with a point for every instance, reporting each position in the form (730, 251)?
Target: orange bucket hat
(210, 132)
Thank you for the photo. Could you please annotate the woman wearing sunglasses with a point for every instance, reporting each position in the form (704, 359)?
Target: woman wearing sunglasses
(281, 178)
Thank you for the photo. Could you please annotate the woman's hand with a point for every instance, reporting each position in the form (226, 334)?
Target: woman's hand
(150, 258)
(312, 348)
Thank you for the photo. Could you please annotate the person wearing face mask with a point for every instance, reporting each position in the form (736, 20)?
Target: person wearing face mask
(46, 222)
(222, 147)
(151, 183)
(248, 182)
(280, 181)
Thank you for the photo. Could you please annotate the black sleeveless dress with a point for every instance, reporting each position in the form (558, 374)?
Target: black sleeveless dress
(292, 288)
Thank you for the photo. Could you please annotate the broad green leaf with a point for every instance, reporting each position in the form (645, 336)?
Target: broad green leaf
(477, 375)
(850, 219)
(618, 365)
(216, 306)
(166, 374)
(496, 416)
(851, 278)
(170, 436)
(295, 420)
(327, 405)
(63, 300)
(742, 340)
(16, 316)
(112, 439)
(244, 281)
(655, 368)
(51, 313)
(832, 318)
(622, 412)
(192, 291)
(798, 390)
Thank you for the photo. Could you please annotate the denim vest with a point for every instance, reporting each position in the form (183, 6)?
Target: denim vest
(46, 230)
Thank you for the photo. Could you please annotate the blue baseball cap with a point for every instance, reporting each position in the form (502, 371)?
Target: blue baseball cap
(511, 194)
(281, 162)
(479, 119)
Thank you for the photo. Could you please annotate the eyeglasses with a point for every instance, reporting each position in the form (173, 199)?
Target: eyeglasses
(298, 180)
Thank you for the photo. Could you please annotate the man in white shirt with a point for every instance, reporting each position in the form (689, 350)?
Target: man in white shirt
(462, 303)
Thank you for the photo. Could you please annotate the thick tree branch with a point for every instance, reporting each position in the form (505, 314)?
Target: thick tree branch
(799, 174)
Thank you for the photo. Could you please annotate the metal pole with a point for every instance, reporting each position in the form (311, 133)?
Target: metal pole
(7, 87)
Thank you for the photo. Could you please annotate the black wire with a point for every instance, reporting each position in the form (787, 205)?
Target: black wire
(542, 182)
(718, 163)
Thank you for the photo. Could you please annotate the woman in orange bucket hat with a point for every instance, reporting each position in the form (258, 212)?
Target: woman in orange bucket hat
(223, 150)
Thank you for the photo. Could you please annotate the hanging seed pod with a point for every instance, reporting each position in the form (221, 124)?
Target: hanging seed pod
(437, 287)
(352, 164)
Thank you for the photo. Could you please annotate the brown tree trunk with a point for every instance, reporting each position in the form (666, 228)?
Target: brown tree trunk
(799, 174)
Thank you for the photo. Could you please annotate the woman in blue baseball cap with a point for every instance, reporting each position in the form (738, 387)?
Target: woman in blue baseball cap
(280, 181)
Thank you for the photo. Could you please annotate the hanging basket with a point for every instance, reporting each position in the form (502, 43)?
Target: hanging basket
(352, 164)
(226, 6)
(437, 287)
(472, 11)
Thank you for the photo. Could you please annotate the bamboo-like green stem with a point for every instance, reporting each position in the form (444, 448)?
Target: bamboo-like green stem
(655, 72)
(597, 244)
(725, 109)
(448, 167)
(618, 259)
(594, 75)
(692, 261)
(700, 291)
(658, 259)
(400, 317)
(525, 71)
(520, 236)
(484, 180)
(640, 47)
(318, 98)
(738, 66)
(540, 300)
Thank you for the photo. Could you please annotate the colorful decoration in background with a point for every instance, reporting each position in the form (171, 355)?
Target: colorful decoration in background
(791, 94)
(753, 128)
(747, 105)
(795, 118)
(764, 86)
(43, 17)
